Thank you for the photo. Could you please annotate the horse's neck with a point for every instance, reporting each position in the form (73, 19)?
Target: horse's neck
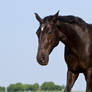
(70, 35)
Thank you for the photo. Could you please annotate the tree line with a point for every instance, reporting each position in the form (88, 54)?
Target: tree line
(19, 87)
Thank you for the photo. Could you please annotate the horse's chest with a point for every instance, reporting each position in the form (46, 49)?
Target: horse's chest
(71, 62)
(74, 63)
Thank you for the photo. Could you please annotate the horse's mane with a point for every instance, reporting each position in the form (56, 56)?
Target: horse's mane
(71, 19)
(67, 19)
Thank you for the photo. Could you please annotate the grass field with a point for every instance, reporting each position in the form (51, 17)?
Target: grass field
(59, 91)
(49, 91)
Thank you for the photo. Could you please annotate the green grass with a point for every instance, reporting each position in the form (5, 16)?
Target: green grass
(59, 91)
(78, 91)
(49, 91)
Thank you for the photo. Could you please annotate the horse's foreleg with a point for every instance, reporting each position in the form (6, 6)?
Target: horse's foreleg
(71, 78)
(88, 76)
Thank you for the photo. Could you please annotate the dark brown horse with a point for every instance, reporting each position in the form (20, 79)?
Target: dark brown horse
(76, 35)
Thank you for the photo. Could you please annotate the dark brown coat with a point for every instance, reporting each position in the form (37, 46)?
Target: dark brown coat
(76, 34)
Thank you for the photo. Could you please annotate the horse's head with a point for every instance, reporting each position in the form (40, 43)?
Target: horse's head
(47, 37)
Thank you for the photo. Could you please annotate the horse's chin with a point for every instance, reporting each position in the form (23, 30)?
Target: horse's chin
(43, 64)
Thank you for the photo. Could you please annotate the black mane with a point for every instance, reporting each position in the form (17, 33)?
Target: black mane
(71, 19)
(67, 19)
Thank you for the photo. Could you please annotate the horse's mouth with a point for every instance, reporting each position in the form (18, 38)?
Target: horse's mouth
(43, 61)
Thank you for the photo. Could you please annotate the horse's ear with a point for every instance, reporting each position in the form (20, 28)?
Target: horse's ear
(38, 18)
(55, 15)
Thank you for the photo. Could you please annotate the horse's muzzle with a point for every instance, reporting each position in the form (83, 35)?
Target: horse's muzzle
(43, 60)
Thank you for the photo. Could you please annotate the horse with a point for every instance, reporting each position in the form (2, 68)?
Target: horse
(76, 35)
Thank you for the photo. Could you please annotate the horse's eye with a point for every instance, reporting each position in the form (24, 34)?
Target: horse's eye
(49, 32)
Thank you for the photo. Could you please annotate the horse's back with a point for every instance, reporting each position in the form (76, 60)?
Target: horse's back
(90, 32)
(90, 27)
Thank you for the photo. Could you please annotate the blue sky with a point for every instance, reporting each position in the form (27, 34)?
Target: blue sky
(18, 41)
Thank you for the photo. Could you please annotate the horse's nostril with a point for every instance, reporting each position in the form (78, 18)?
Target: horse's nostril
(42, 59)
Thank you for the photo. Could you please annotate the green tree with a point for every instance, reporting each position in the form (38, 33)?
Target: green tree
(2, 89)
(27, 87)
(15, 87)
(48, 86)
(19, 87)
(58, 87)
(11, 87)
(35, 87)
